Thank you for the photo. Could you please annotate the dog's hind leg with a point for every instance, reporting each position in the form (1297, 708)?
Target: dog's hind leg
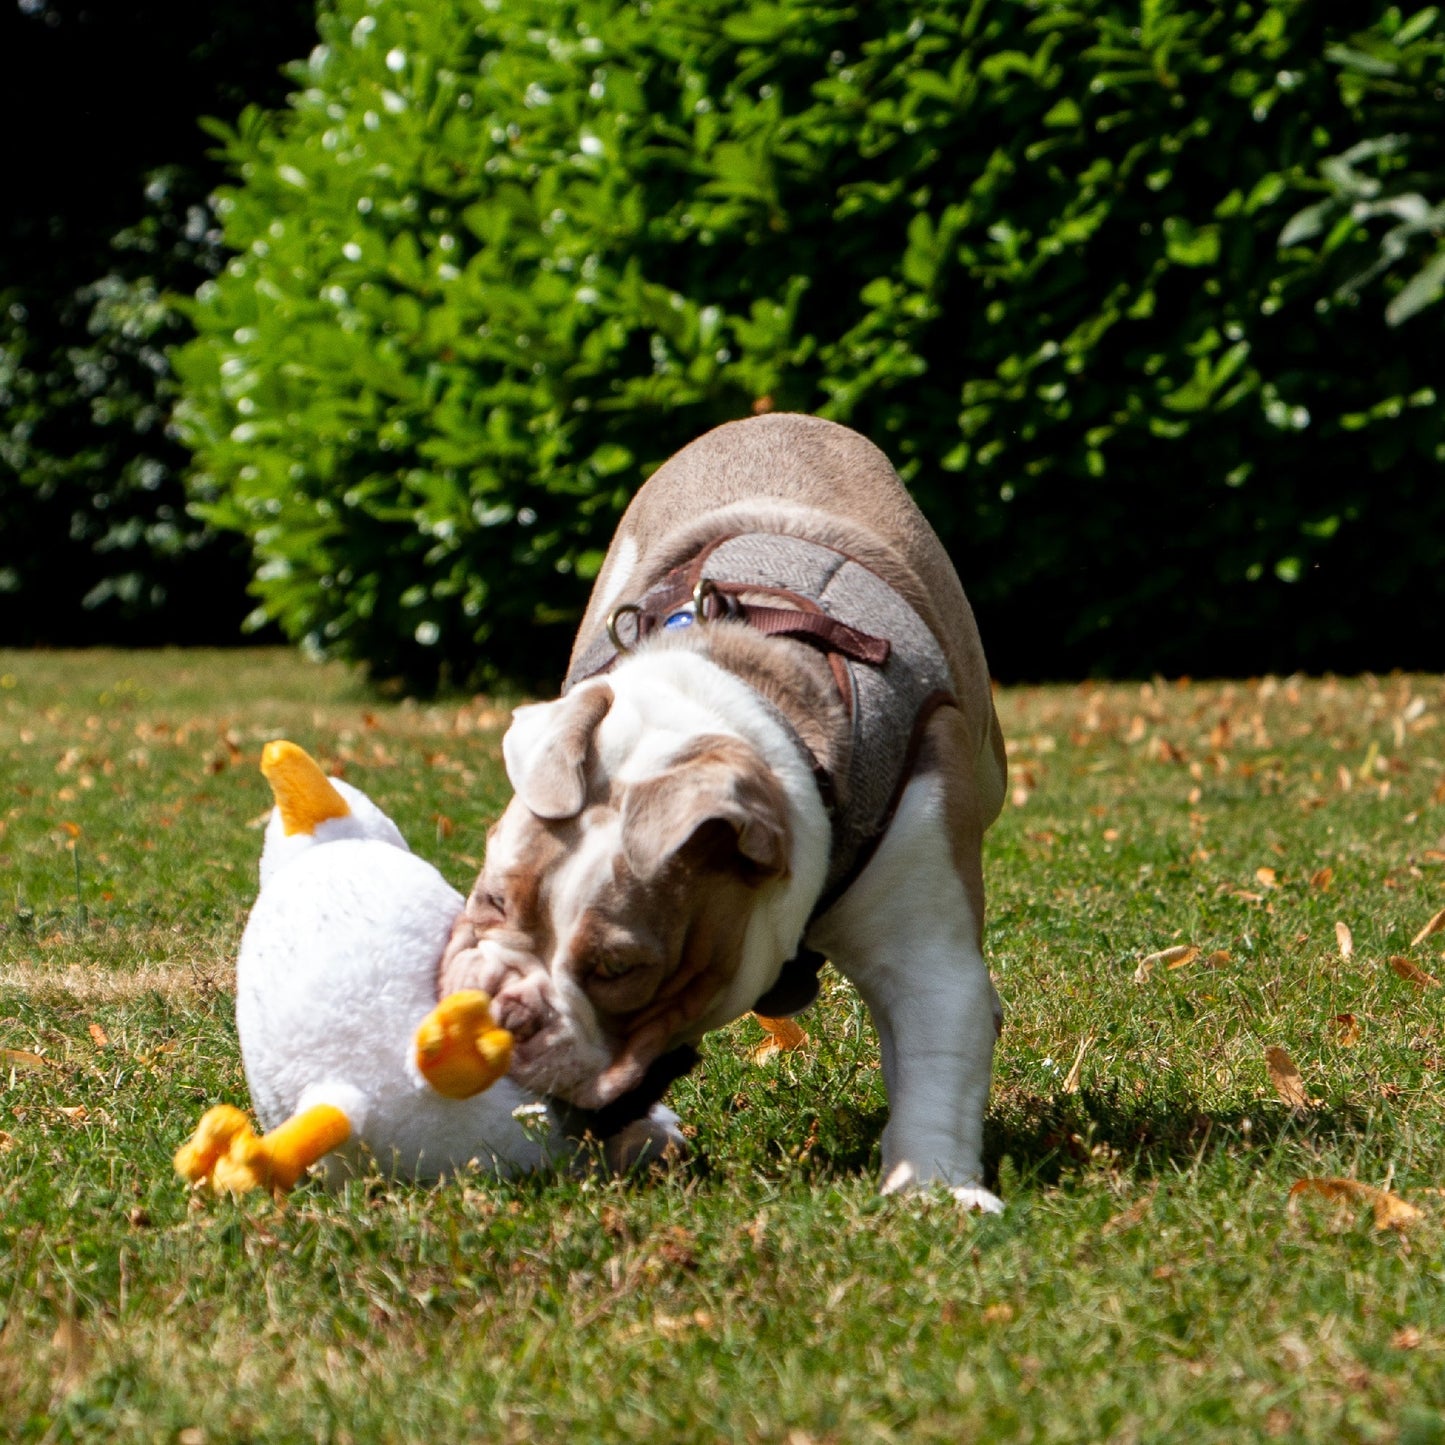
(908, 934)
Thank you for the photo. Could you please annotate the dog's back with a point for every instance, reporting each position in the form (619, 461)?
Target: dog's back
(804, 476)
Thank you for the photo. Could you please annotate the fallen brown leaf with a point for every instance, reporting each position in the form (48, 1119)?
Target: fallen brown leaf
(73, 1350)
(783, 1035)
(1129, 1217)
(99, 1035)
(672, 1326)
(1177, 956)
(1071, 1081)
(1407, 1337)
(1322, 879)
(1278, 1423)
(22, 1059)
(7, 1142)
(1266, 877)
(1391, 1212)
(1434, 926)
(999, 1314)
(1346, 939)
(1412, 972)
(1286, 1078)
(677, 1247)
(1349, 1027)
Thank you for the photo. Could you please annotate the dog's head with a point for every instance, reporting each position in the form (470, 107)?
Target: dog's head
(613, 917)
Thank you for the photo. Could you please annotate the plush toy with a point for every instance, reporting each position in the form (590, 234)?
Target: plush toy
(344, 1041)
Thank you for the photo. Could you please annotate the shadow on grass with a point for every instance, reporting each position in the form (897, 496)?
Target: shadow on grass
(1049, 1137)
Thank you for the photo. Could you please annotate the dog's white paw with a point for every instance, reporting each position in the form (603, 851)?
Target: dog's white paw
(904, 1178)
(974, 1196)
(657, 1138)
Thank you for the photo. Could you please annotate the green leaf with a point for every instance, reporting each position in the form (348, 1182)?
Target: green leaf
(1416, 26)
(1359, 61)
(1187, 245)
(1063, 113)
(1306, 224)
(1423, 289)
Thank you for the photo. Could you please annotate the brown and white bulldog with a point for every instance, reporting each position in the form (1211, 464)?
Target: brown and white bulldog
(777, 738)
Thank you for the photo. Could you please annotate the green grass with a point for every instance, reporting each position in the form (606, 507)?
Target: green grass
(1148, 1282)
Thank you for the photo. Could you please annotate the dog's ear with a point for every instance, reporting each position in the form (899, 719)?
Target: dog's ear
(545, 750)
(718, 800)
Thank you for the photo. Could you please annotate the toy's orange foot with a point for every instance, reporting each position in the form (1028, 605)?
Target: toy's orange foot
(783, 1035)
(459, 1048)
(226, 1153)
(219, 1127)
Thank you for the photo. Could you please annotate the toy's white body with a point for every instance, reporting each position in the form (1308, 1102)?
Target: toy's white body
(338, 966)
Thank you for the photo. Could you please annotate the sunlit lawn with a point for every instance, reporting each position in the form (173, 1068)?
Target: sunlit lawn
(1150, 1280)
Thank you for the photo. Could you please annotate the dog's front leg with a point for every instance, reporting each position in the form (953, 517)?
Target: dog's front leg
(907, 935)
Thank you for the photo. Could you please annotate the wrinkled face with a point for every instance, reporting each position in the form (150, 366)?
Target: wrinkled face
(610, 921)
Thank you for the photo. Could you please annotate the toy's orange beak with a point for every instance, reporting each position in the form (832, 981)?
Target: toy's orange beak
(459, 1048)
(303, 792)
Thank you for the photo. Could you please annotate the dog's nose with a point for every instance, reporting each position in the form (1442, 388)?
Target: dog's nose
(521, 1013)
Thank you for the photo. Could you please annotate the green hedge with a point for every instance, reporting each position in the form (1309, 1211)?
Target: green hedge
(501, 257)
(1386, 190)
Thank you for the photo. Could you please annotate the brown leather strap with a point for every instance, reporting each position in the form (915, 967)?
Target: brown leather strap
(828, 632)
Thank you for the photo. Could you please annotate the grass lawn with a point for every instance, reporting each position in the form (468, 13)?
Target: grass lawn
(1150, 1280)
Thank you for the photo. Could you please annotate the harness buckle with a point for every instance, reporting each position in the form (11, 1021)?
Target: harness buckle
(704, 592)
(614, 619)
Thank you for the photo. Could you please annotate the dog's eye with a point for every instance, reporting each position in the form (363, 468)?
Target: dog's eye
(494, 902)
(615, 966)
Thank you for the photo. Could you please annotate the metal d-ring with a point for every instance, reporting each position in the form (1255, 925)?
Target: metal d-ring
(705, 588)
(616, 616)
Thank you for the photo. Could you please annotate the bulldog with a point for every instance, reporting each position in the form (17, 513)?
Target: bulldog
(776, 743)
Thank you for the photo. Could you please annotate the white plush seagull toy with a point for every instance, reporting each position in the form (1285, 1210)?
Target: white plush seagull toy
(344, 1041)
